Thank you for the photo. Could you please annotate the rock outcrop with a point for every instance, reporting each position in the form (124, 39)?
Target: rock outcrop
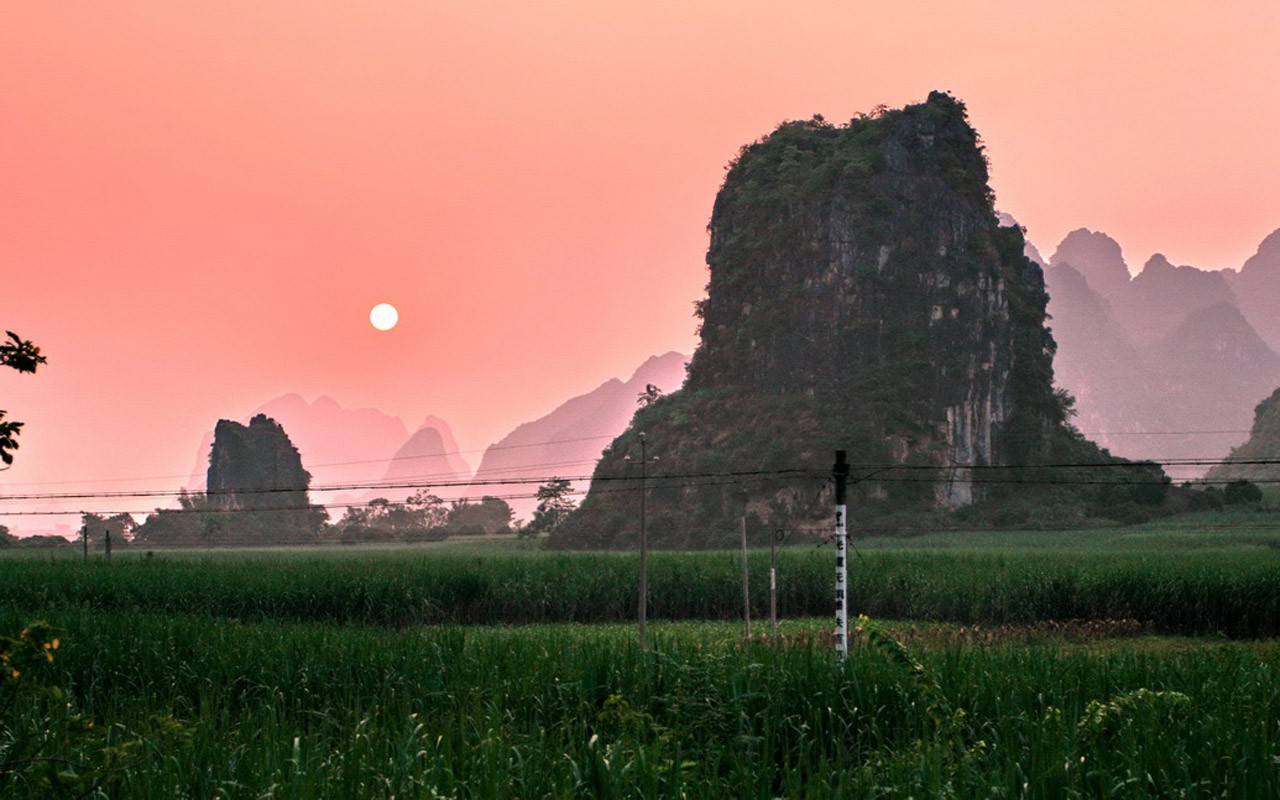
(255, 468)
(340, 446)
(862, 296)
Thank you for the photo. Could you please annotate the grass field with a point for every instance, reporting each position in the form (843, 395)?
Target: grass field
(1019, 665)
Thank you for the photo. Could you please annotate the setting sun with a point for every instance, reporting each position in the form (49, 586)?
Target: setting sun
(384, 316)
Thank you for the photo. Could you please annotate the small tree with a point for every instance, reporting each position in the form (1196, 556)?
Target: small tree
(490, 515)
(23, 356)
(554, 504)
(121, 527)
(1241, 492)
(430, 509)
(649, 396)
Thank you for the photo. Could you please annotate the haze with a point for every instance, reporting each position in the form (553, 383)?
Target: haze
(203, 201)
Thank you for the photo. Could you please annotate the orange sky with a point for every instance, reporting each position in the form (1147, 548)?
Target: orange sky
(201, 201)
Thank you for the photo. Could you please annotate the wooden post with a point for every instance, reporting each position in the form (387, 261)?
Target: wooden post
(643, 608)
(107, 546)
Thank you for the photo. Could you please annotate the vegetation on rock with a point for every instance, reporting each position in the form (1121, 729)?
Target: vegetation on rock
(862, 296)
(1263, 444)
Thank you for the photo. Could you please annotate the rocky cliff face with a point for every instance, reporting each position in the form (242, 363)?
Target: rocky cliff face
(862, 295)
(255, 467)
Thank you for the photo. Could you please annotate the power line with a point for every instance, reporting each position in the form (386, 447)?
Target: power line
(513, 481)
(879, 473)
(1159, 433)
(309, 467)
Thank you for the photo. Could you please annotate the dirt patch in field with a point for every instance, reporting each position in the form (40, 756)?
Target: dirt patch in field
(932, 633)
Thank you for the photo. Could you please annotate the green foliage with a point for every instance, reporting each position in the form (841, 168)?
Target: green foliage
(489, 515)
(863, 297)
(120, 528)
(23, 356)
(318, 711)
(1241, 492)
(19, 354)
(47, 747)
(381, 520)
(195, 674)
(1212, 582)
(650, 394)
(195, 523)
(554, 505)
(200, 522)
(1263, 445)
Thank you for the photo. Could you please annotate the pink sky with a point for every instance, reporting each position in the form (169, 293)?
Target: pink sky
(201, 201)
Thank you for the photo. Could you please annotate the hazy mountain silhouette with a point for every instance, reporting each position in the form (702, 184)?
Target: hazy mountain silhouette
(568, 441)
(1098, 258)
(1214, 368)
(430, 455)
(1257, 290)
(1160, 297)
(1098, 364)
(1156, 360)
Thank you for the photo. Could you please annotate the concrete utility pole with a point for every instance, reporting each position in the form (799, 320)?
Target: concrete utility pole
(84, 540)
(841, 472)
(746, 585)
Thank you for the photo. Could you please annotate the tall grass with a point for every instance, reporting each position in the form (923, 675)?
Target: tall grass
(303, 710)
(1174, 590)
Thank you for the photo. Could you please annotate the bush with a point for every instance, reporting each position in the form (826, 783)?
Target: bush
(1241, 492)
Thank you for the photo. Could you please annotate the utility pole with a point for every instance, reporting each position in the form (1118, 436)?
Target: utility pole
(107, 550)
(644, 548)
(642, 604)
(746, 587)
(841, 472)
(84, 540)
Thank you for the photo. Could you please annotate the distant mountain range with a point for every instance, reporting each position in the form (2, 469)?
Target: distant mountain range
(344, 447)
(568, 441)
(1169, 363)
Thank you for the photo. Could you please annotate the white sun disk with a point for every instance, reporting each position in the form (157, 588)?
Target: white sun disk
(384, 316)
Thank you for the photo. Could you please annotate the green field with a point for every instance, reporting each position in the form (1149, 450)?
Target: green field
(1117, 663)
